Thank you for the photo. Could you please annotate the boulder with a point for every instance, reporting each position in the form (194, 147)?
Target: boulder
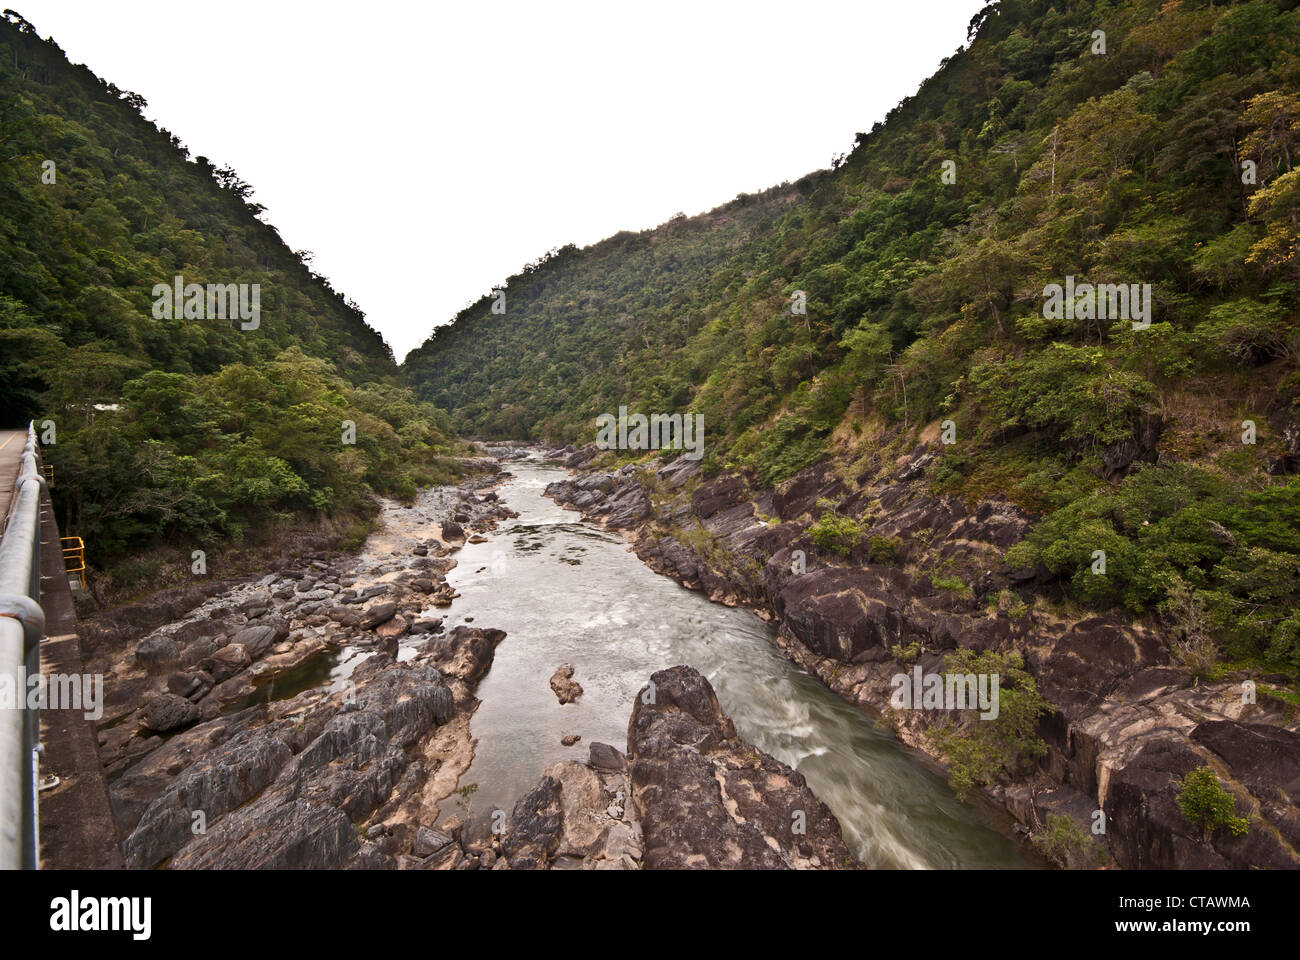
(261, 638)
(428, 842)
(604, 757)
(228, 661)
(167, 711)
(157, 651)
(566, 689)
(379, 613)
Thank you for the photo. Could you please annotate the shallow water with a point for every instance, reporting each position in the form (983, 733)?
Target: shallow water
(566, 591)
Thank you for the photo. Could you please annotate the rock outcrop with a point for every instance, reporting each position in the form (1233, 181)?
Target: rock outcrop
(689, 794)
(708, 799)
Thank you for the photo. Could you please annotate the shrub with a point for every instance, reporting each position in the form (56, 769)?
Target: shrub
(955, 584)
(1189, 631)
(836, 534)
(906, 654)
(1207, 805)
(1064, 841)
(884, 549)
(985, 751)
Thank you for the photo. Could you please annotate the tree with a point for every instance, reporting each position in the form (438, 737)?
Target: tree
(1207, 805)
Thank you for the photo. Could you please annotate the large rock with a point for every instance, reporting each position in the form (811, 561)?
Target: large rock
(228, 661)
(565, 688)
(708, 799)
(604, 757)
(379, 613)
(157, 651)
(261, 638)
(466, 652)
(846, 614)
(285, 794)
(535, 827)
(801, 493)
(166, 711)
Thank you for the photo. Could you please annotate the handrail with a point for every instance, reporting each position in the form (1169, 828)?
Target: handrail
(22, 625)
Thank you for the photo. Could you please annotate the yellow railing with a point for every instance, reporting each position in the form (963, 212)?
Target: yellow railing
(74, 550)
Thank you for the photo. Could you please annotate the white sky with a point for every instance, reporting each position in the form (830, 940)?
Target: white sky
(425, 152)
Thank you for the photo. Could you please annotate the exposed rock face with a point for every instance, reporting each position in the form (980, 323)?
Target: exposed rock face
(708, 799)
(566, 689)
(1119, 458)
(282, 787)
(690, 794)
(1127, 721)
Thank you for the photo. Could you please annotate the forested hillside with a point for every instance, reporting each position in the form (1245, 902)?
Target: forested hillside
(1130, 143)
(175, 427)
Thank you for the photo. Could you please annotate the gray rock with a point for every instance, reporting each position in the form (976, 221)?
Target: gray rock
(710, 800)
(228, 661)
(604, 757)
(166, 711)
(261, 638)
(428, 842)
(157, 651)
(379, 613)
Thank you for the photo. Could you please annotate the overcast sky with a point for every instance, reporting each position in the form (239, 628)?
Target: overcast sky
(426, 151)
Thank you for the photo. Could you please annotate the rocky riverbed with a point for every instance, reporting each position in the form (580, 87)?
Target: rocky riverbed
(287, 720)
(1126, 721)
(320, 716)
(688, 794)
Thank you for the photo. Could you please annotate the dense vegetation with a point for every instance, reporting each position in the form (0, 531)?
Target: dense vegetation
(189, 429)
(1169, 159)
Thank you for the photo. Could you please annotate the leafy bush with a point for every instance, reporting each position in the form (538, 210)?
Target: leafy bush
(984, 751)
(1247, 331)
(884, 549)
(837, 534)
(1064, 841)
(1207, 805)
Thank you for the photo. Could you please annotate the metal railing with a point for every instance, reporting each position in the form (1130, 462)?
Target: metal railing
(22, 625)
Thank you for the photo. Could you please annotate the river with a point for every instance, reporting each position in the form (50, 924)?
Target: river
(566, 591)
